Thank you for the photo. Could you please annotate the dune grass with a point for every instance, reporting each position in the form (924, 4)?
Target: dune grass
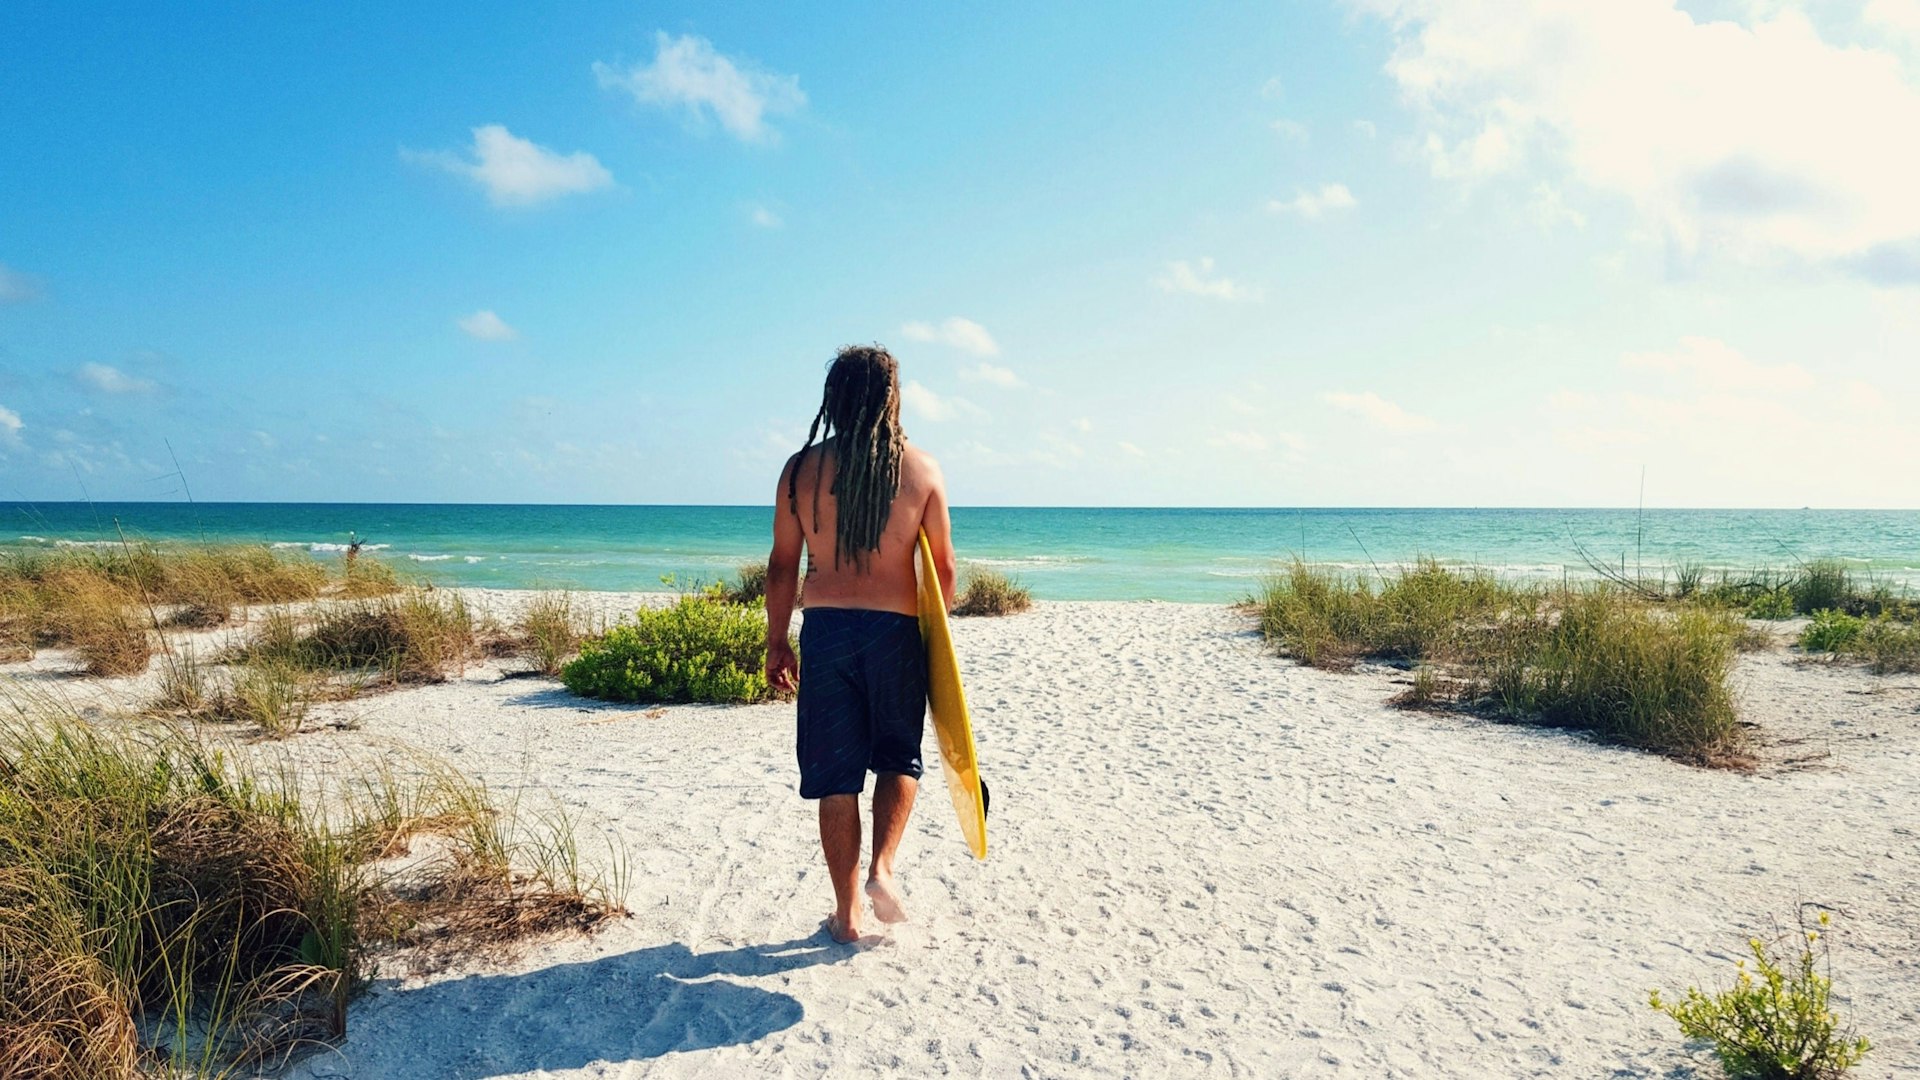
(1596, 658)
(986, 591)
(417, 635)
(106, 603)
(153, 884)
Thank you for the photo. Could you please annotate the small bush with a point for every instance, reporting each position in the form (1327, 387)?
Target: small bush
(698, 649)
(364, 577)
(1831, 631)
(1822, 584)
(110, 641)
(748, 585)
(1774, 604)
(985, 591)
(1889, 647)
(1776, 1021)
(1626, 671)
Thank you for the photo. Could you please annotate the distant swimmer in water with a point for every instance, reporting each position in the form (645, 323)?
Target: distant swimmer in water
(855, 502)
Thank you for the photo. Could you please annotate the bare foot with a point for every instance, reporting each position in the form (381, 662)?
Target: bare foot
(843, 933)
(886, 900)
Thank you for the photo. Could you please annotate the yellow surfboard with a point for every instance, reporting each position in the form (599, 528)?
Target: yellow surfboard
(948, 703)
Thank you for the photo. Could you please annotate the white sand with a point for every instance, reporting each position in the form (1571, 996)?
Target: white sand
(1206, 862)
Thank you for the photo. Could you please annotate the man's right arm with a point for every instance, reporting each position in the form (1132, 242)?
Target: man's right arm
(783, 583)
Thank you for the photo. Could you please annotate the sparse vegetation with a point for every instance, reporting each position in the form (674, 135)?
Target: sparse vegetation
(152, 887)
(748, 586)
(986, 591)
(415, 636)
(549, 631)
(1598, 658)
(698, 649)
(1776, 1022)
(1831, 631)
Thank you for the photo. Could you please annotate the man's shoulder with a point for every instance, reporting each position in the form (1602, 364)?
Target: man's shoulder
(920, 461)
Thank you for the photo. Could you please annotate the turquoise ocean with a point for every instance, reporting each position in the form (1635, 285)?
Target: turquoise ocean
(1061, 553)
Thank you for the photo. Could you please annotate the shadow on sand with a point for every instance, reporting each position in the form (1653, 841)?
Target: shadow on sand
(629, 1007)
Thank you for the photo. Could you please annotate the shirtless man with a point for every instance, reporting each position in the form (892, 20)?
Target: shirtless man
(857, 500)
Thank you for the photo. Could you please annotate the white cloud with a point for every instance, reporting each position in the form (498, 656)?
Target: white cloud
(10, 426)
(1196, 278)
(687, 72)
(992, 373)
(1378, 411)
(1083, 425)
(939, 409)
(963, 334)
(1716, 365)
(1759, 141)
(16, 287)
(486, 326)
(1313, 204)
(1130, 449)
(1900, 19)
(1291, 130)
(1257, 442)
(764, 216)
(517, 172)
(111, 380)
(1365, 128)
(266, 441)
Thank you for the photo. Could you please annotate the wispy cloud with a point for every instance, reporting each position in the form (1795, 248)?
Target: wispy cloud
(688, 73)
(1291, 130)
(764, 216)
(1378, 411)
(1714, 364)
(18, 288)
(111, 380)
(10, 426)
(937, 408)
(1365, 129)
(516, 171)
(1199, 279)
(963, 334)
(1256, 442)
(1130, 449)
(1314, 204)
(992, 373)
(486, 326)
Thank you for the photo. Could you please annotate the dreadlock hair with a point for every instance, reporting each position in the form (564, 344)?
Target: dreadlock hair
(861, 407)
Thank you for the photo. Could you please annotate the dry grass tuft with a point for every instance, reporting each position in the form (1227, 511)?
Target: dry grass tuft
(154, 884)
(416, 636)
(985, 591)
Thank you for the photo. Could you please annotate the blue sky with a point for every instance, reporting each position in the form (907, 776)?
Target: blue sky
(1361, 252)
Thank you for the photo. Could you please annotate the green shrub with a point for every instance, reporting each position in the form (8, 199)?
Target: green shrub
(1625, 670)
(1776, 1021)
(1831, 631)
(1889, 647)
(1771, 604)
(698, 649)
(1822, 584)
(985, 591)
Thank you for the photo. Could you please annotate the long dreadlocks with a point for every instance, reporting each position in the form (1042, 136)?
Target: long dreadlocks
(861, 407)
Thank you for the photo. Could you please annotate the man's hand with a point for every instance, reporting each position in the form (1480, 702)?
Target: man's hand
(783, 669)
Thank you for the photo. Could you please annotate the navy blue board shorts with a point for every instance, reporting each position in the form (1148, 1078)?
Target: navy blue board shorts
(863, 698)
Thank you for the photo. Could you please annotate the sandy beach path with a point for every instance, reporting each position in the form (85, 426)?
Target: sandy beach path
(1206, 862)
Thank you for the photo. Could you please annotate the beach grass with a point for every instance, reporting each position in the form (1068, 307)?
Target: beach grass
(166, 905)
(986, 591)
(416, 635)
(1597, 658)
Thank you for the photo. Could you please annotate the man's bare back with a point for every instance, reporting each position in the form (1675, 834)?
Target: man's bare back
(884, 580)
